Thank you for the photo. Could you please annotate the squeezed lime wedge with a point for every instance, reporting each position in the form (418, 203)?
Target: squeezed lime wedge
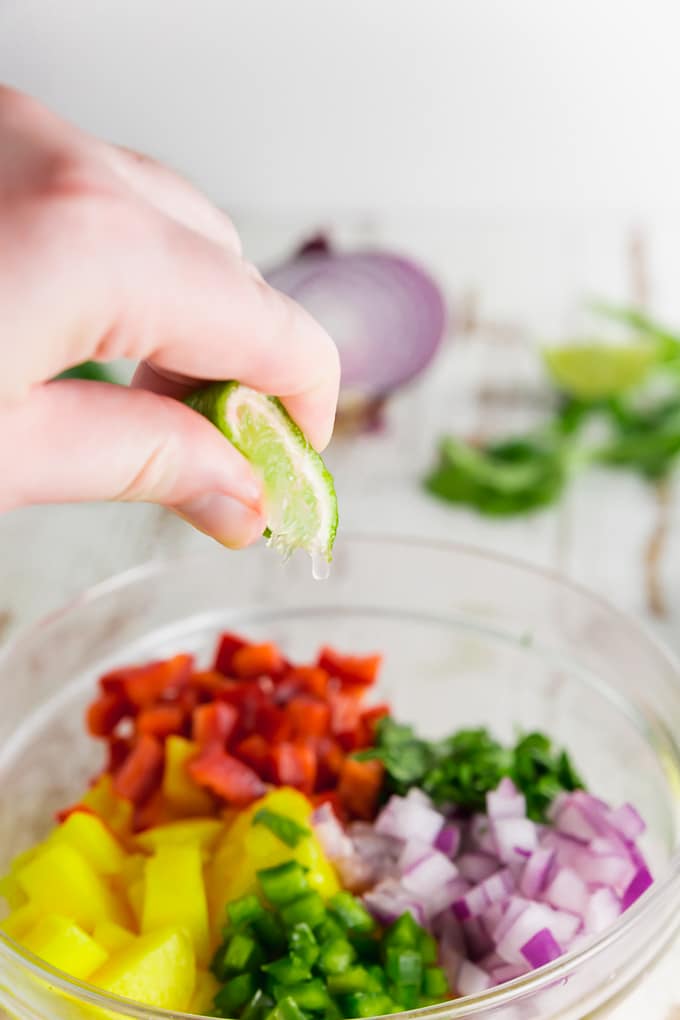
(593, 371)
(300, 505)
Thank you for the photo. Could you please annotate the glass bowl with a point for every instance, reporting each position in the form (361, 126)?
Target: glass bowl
(468, 639)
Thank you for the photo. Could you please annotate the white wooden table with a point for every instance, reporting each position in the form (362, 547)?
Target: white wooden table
(508, 282)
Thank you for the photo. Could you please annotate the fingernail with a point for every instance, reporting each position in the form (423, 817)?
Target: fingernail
(230, 522)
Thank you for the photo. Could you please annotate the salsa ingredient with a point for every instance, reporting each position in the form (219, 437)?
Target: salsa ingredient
(299, 495)
(501, 893)
(359, 868)
(601, 389)
(286, 953)
(393, 314)
(462, 769)
(182, 740)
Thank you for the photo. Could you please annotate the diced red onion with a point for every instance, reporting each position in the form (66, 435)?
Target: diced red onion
(535, 873)
(478, 940)
(330, 833)
(389, 900)
(512, 835)
(613, 871)
(475, 867)
(425, 875)
(507, 972)
(541, 949)
(480, 835)
(627, 822)
(639, 885)
(567, 891)
(472, 979)
(474, 902)
(413, 850)
(448, 840)
(404, 816)
(506, 801)
(602, 910)
(573, 822)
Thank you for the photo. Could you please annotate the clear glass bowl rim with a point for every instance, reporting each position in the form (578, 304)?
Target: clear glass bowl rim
(453, 1009)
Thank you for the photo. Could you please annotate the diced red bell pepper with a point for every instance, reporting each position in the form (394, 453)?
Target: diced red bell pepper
(295, 764)
(345, 719)
(257, 752)
(309, 717)
(359, 787)
(254, 661)
(370, 717)
(117, 751)
(330, 757)
(141, 772)
(213, 723)
(152, 813)
(351, 670)
(161, 720)
(226, 776)
(144, 685)
(228, 645)
(311, 679)
(272, 723)
(208, 682)
(104, 714)
(331, 797)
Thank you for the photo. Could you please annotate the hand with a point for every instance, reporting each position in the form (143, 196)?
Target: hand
(103, 255)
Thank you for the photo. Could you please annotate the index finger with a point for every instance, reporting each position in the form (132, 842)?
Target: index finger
(220, 320)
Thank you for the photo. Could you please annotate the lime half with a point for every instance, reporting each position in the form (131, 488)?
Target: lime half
(299, 495)
(592, 371)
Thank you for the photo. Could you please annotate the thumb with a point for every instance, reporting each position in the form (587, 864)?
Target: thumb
(74, 441)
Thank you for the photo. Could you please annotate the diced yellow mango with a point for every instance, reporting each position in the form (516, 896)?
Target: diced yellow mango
(135, 897)
(246, 848)
(207, 987)
(132, 869)
(157, 969)
(63, 944)
(60, 881)
(11, 891)
(114, 810)
(112, 936)
(90, 837)
(180, 790)
(21, 920)
(202, 831)
(174, 893)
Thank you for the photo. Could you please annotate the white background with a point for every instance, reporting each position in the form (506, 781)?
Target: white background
(489, 105)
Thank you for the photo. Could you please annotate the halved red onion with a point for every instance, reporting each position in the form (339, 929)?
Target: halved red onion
(384, 312)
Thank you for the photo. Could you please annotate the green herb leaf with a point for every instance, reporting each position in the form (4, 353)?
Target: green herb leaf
(503, 478)
(284, 828)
